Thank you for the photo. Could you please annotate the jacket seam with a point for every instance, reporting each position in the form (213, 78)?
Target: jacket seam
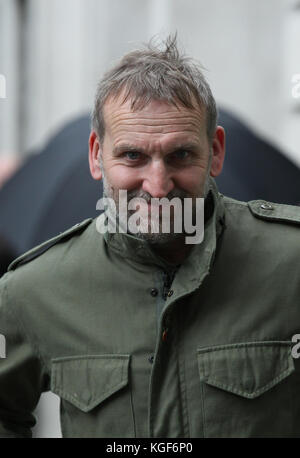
(131, 397)
(239, 204)
(182, 386)
(76, 358)
(258, 343)
(203, 407)
(257, 392)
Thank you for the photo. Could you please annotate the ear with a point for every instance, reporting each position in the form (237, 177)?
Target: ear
(94, 153)
(218, 147)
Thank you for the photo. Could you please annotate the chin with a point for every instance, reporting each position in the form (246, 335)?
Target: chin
(158, 239)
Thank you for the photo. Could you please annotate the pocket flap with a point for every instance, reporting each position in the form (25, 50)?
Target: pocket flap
(247, 369)
(86, 381)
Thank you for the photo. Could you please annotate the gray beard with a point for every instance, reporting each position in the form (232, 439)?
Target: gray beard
(157, 237)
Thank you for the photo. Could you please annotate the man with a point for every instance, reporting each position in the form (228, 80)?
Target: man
(142, 334)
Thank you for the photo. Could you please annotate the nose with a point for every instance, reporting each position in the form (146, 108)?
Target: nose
(158, 181)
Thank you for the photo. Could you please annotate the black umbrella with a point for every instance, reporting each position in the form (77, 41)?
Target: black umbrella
(58, 177)
(255, 169)
(54, 189)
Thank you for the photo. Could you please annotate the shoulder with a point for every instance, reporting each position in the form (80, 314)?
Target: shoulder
(39, 250)
(263, 227)
(265, 211)
(60, 264)
(272, 212)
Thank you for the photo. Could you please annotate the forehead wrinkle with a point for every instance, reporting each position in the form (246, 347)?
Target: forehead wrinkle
(155, 119)
(166, 116)
(154, 130)
(139, 125)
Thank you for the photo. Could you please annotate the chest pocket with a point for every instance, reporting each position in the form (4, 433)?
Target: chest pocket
(246, 389)
(95, 395)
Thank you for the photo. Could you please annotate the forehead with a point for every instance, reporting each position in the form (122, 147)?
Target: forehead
(157, 119)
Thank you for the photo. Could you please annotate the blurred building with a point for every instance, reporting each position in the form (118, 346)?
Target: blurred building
(52, 53)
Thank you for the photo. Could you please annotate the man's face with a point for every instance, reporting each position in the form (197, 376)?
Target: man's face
(158, 151)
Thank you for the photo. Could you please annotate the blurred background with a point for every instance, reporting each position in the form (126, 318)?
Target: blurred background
(52, 53)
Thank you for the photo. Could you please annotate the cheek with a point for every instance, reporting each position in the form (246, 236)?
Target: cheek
(192, 181)
(121, 177)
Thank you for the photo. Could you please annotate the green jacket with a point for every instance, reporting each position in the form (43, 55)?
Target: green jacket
(96, 320)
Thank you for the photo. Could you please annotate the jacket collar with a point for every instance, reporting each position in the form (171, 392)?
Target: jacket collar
(129, 246)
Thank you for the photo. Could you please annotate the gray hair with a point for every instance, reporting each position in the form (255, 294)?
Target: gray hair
(156, 74)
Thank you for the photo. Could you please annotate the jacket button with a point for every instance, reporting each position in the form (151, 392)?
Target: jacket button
(267, 207)
(170, 293)
(154, 292)
(151, 359)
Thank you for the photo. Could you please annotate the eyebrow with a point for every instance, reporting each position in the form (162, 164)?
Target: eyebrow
(126, 147)
(176, 147)
(186, 146)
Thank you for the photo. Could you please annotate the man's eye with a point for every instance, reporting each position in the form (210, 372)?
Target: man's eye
(181, 154)
(132, 155)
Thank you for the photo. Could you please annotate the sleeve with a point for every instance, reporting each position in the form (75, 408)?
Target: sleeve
(21, 372)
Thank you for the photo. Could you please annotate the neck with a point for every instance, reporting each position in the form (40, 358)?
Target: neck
(174, 252)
